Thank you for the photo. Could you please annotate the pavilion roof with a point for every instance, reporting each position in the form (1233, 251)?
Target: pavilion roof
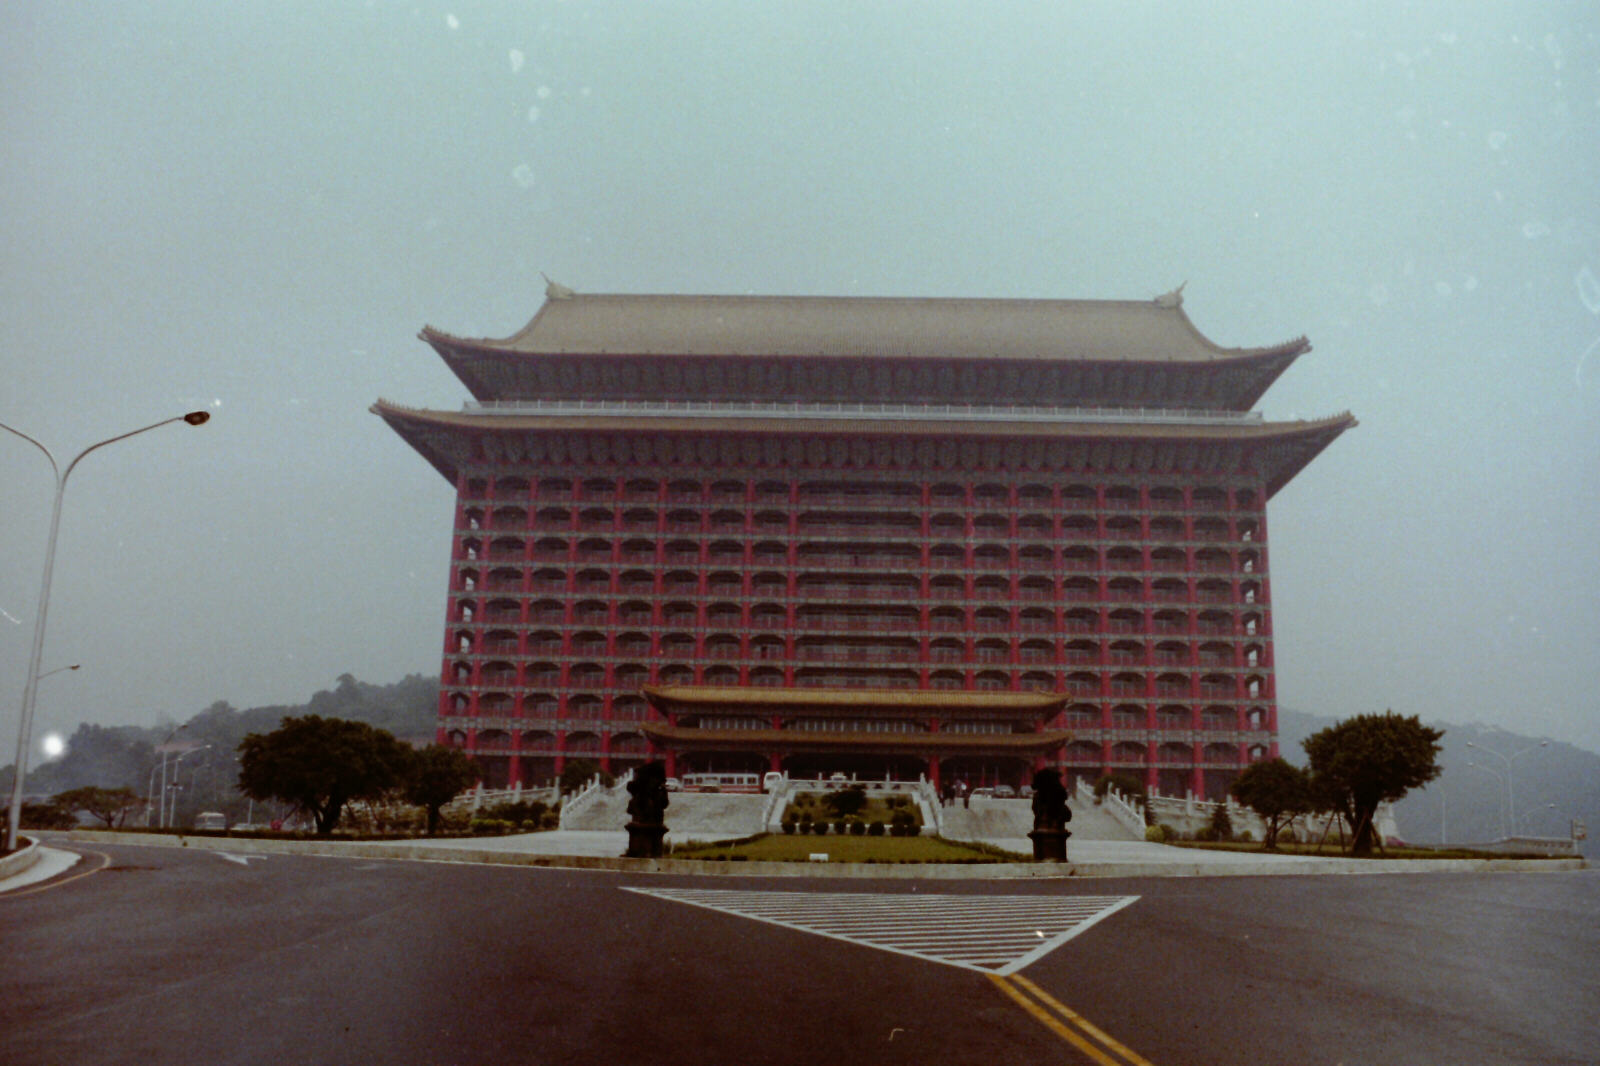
(443, 437)
(570, 323)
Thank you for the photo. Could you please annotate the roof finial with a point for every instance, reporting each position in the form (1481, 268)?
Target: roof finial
(554, 290)
(1171, 299)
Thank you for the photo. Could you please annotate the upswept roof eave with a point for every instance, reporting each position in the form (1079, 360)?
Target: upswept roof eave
(405, 423)
(492, 422)
(525, 342)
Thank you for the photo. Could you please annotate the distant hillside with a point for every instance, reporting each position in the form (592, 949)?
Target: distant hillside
(200, 758)
(1553, 783)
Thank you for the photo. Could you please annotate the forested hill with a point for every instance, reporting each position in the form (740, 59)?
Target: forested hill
(116, 756)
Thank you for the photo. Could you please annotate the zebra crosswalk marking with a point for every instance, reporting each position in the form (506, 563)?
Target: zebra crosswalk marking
(990, 934)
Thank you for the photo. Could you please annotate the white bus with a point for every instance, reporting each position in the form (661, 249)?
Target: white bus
(718, 782)
(211, 820)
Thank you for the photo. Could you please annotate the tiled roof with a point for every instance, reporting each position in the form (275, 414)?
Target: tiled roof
(879, 327)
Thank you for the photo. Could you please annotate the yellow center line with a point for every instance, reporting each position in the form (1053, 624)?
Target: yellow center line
(1080, 1021)
(59, 881)
(1063, 1031)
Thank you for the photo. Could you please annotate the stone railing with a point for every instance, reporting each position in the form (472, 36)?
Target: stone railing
(588, 796)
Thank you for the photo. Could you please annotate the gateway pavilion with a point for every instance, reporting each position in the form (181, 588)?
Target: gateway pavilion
(960, 538)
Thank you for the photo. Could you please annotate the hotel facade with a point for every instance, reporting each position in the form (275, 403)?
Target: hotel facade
(965, 538)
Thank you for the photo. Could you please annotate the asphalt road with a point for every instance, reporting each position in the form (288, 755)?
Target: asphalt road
(172, 956)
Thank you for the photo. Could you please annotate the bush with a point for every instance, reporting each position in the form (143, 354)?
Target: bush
(846, 801)
(44, 816)
(856, 826)
(841, 827)
(1157, 834)
(875, 829)
(819, 828)
(788, 828)
(1221, 823)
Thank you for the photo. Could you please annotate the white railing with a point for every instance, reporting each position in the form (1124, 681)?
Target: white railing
(478, 797)
(942, 412)
(1114, 804)
(587, 796)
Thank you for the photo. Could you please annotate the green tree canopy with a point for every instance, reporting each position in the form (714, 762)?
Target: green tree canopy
(111, 805)
(1276, 790)
(1369, 759)
(436, 775)
(320, 764)
(577, 773)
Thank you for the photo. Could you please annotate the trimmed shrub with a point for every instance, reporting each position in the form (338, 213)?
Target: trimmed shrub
(841, 827)
(856, 826)
(1158, 833)
(875, 829)
(788, 827)
(819, 828)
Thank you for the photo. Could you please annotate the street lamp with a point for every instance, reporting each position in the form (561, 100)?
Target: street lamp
(25, 726)
(1511, 791)
(1504, 832)
(170, 810)
(150, 802)
(1536, 807)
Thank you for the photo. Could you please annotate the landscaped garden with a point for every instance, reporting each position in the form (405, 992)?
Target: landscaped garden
(850, 811)
(774, 847)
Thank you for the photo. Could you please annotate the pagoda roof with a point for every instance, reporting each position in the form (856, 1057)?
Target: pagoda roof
(440, 436)
(1125, 343)
(879, 327)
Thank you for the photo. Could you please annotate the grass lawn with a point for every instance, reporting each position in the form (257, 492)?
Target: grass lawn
(776, 847)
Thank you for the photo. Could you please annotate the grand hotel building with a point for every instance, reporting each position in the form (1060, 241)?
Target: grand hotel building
(956, 537)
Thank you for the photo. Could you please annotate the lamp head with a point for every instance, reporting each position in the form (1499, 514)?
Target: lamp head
(197, 418)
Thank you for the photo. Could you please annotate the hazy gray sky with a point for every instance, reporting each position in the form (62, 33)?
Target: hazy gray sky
(253, 207)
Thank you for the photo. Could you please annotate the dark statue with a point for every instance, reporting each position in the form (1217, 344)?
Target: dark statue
(647, 810)
(1050, 817)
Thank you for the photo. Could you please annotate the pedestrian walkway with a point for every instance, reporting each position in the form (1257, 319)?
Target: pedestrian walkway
(990, 934)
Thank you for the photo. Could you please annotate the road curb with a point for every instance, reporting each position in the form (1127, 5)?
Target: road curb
(20, 861)
(426, 852)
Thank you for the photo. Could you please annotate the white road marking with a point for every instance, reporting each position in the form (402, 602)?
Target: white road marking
(990, 934)
(242, 860)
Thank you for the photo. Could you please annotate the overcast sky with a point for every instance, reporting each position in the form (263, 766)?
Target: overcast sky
(253, 207)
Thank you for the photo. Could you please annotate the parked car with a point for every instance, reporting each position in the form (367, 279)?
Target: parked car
(1004, 792)
(674, 785)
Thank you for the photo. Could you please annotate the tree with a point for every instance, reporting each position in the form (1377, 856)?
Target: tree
(1276, 790)
(1370, 759)
(319, 764)
(577, 772)
(436, 775)
(111, 805)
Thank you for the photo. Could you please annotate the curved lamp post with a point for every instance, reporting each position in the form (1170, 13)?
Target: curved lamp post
(25, 727)
(1511, 770)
